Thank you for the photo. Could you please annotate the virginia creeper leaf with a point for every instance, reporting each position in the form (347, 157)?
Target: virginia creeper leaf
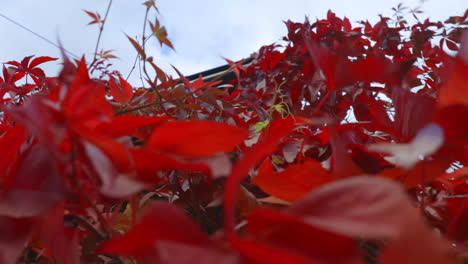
(179, 253)
(125, 125)
(14, 234)
(163, 222)
(10, 144)
(33, 186)
(39, 60)
(281, 229)
(278, 129)
(292, 183)
(361, 206)
(262, 253)
(121, 91)
(193, 139)
(115, 183)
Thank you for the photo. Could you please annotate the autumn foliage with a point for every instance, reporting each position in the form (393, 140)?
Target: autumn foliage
(344, 144)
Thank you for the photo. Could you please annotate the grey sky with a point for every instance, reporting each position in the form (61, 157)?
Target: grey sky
(201, 30)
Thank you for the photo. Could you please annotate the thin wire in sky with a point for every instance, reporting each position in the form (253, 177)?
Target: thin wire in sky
(37, 35)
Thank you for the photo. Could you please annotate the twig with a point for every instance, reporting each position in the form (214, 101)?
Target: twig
(126, 111)
(101, 30)
(85, 224)
(134, 64)
(153, 85)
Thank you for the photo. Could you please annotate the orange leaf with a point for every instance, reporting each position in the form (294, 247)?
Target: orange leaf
(95, 16)
(138, 48)
(161, 34)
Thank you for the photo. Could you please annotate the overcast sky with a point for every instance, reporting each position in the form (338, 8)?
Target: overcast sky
(201, 30)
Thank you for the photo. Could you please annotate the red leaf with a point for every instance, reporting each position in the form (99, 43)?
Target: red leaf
(294, 182)
(278, 228)
(455, 90)
(367, 109)
(114, 182)
(409, 249)
(85, 98)
(323, 59)
(14, 63)
(33, 186)
(260, 253)
(115, 150)
(340, 71)
(453, 119)
(368, 207)
(163, 222)
(342, 163)
(193, 139)
(455, 216)
(43, 122)
(278, 129)
(91, 14)
(10, 144)
(412, 113)
(127, 125)
(423, 172)
(147, 162)
(62, 242)
(236, 67)
(25, 62)
(178, 253)
(369, 162)
(39, 60)
(451, 45)
(200, 84)
(95, 16)
(463, 52)
(122, 91)
(370, 69)
(14, 235)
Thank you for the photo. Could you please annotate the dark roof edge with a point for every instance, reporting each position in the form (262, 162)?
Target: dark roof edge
(213, 73)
